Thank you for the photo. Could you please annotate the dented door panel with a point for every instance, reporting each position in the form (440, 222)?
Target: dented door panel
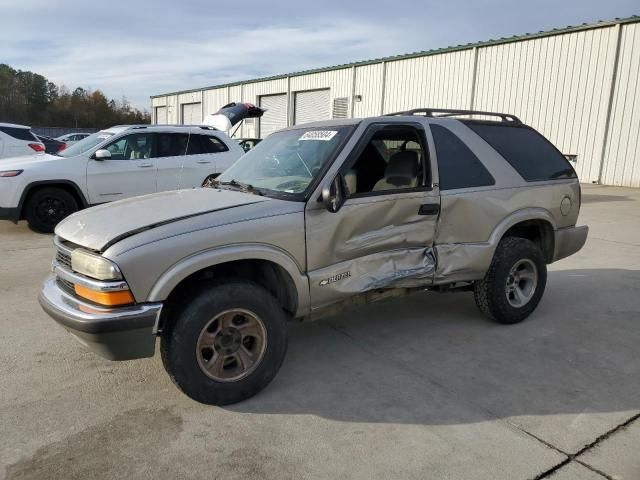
(373, 242)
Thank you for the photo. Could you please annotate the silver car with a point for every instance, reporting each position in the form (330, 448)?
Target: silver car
(315, 217)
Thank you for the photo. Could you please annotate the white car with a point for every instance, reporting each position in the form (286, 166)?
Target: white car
(71, 138)
(113, 164)
(18, 140)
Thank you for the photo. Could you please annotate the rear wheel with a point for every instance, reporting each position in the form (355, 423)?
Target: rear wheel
(226, 343)
(46, 207)
(514, 283)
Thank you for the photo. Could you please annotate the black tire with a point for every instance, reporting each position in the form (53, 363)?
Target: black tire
(492, 294)
(47, 206)
(187, 323)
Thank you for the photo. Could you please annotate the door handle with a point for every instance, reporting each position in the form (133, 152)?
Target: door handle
(429, 209)
(203, 161)
(145, 165)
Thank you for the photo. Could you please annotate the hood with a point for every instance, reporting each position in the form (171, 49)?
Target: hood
(99, 227)
(17, 163)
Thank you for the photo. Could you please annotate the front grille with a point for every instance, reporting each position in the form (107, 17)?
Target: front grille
(63, 259)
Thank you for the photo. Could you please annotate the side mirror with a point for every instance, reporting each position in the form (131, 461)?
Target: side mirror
(333, 196)
(102, 154)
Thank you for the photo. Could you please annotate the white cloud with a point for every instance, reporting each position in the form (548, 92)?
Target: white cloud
(137, 48)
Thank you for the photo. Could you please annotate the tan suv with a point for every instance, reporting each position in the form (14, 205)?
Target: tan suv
(315, 217)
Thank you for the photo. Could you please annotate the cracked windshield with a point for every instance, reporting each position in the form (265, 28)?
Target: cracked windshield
(286, 162)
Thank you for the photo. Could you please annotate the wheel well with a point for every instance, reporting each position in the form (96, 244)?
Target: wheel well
(539, 232)
(70, 188)
(269, 275)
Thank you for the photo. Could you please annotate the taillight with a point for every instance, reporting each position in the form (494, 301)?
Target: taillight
(62, 147)
(38, 147)
(579, 195)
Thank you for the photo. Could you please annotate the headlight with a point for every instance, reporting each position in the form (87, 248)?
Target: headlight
(10, 173)
(94, 266)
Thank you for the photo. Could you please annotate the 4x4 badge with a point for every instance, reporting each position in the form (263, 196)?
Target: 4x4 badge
(335, 278)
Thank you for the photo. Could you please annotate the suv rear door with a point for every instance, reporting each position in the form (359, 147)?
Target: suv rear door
(206, 155)
(383, 234)
(131, 170)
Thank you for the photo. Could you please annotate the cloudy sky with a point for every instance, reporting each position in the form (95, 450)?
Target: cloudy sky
(141, 48)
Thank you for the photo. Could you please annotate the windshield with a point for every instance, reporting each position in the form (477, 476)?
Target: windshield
(286, 162)
(85, 144)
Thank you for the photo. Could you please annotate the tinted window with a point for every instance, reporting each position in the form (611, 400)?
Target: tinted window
(205, 144)
(19, 133)
(457, 164)
(172, 144)
(533, 156)
(131, 147)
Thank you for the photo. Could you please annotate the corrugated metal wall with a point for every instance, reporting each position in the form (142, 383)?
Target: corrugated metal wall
(580, 88)
(622, 153)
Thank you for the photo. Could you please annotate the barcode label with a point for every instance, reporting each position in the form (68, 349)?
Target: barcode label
(323, 135)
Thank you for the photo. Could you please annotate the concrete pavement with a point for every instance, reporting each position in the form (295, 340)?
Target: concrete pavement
(421, 387)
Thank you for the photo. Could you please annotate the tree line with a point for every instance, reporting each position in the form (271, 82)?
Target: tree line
(29, 98)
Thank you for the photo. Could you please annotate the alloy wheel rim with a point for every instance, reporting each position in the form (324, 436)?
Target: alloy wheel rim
(51, 210)
(521, 283)
(231, 345)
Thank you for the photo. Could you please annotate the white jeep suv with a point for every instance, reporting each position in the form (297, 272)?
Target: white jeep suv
(119, 162)
(18, 140)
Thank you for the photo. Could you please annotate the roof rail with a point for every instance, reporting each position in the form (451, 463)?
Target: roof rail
(446, 112)
(151, 125)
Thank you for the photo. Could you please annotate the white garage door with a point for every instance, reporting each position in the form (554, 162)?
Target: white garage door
(191, 113)
(161, 115)
(312, 106)
(275, 117)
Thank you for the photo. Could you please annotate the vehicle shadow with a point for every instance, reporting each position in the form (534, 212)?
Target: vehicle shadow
(434, 359)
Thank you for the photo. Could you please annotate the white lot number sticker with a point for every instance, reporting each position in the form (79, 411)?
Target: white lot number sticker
(323, 135)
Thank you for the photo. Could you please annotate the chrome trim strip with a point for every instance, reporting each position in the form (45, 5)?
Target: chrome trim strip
(87, 282)
(60, 246)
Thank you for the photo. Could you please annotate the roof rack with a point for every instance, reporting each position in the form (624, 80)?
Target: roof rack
(445, 112)
(151, 125)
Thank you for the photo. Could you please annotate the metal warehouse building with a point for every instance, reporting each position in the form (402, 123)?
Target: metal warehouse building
(579, 86)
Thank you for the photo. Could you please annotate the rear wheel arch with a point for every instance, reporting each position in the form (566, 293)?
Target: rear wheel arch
(539, 231)
(535, 224)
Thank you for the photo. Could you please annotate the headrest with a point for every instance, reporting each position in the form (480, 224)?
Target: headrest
(403, 165)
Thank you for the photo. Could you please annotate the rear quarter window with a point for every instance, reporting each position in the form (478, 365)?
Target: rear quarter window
(19, 133)
(458, 166)
(533, 156)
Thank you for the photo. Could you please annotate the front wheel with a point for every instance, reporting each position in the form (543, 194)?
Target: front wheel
(226, 343)
(46, 207)
(513, 286)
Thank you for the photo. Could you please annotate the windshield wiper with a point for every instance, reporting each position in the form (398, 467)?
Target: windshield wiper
(244, 187)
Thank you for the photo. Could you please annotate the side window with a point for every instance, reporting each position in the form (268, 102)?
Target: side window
(19, 133)
(458, 166)
(529, 153)
(205, 144)
(392, 160)
(172, 144)
(131, 147)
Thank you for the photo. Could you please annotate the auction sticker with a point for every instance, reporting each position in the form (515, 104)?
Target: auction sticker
(323, 135)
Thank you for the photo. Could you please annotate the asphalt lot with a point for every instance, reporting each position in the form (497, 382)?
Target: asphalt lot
(422, 387)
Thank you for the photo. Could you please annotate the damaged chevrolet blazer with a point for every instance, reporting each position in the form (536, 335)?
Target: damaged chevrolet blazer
(315, 217)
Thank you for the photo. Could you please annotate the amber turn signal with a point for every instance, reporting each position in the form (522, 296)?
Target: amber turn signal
(110, 299)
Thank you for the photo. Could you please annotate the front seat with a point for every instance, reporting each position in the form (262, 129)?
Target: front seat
(401, 172)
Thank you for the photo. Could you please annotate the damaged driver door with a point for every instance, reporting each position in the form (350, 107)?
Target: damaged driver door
(376, 226)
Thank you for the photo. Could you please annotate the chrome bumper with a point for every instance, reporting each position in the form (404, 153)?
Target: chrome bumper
(122, 333)
(569, 240)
